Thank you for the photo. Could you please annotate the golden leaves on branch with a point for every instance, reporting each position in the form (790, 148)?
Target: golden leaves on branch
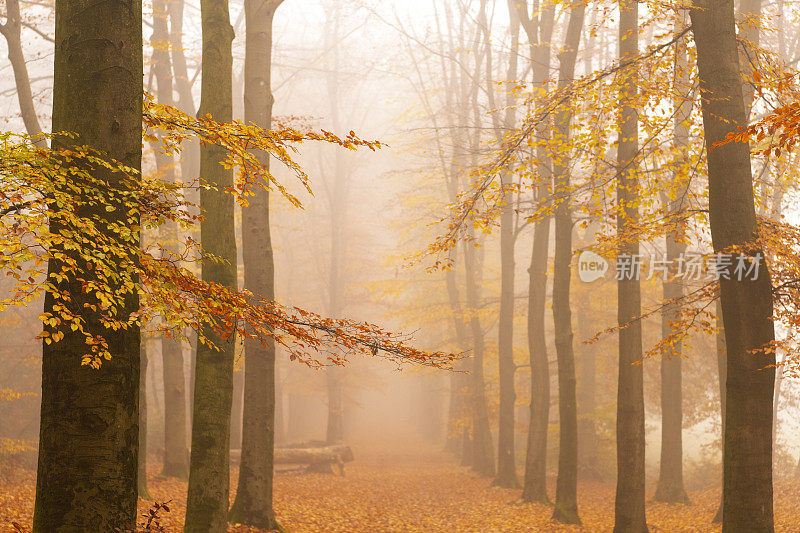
(61, 206)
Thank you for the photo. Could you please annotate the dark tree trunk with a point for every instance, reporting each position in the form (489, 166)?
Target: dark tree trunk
(630, 497)
(89, 433)
(253, 504)
(207, 502)
(539, 29)
(670, 481)
(746, 303)
(566, 508)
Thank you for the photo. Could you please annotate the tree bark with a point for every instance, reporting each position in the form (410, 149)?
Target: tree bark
(207, 502)
(89, 432)
(747, 303)
(670, 481)
(566, 508)
(630, 496)
(539, 29)
(253, 504)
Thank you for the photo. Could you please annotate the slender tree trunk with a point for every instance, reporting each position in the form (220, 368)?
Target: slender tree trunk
(12, 31)
(587, 385)
(539, 29)
(237, 407)
(89, 433)
(190, 162)
(566, 508)
(335, 375)
(630, 497)
(176, 454)
(280, 402)
(722, 373)
(253, 504)
(207, 502)
(506, 467)
(142, 473)
(459, 381)
(746, 303)
(482, 456)
(670, 481)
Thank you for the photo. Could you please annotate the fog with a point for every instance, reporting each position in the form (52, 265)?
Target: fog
(431, 81)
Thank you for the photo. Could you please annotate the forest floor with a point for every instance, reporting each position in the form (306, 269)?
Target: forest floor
(413, 490)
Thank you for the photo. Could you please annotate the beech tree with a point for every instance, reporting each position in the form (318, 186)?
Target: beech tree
(253, 504)
(629, 515)
(176, 454)
(88, 449)
(566, 505)
(747, 303)
(538, 25)
(207, 502)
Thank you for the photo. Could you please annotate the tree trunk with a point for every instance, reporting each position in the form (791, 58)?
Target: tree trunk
(89, 433)
(190, 162)
(670, 481)
(587, 385)
(748, 16)
(566, 508)
(506, 467)
(253, 504)
(237, 407)
(176, 455)
(12, 31)
(335, 375)
(142, 473)
(481, 442)
(746, 303)
(534, 487)
(207, 501)
(459, 381)
(722, 373)
(630, 497)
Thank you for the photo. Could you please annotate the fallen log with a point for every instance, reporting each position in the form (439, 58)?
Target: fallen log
(318, 459)
(313, 456)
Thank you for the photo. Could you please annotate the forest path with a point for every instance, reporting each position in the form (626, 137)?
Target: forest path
(415, 488)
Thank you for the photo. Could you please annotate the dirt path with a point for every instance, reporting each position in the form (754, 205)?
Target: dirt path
(419, 490)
